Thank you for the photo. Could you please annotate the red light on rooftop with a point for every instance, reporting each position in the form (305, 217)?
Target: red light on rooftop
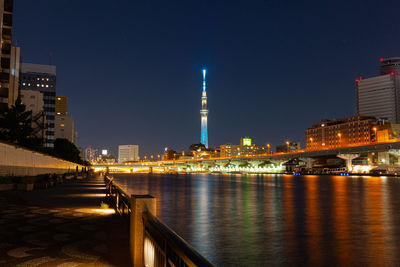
(381, 59)
(360, 78)
(357, 81)
(392, 73)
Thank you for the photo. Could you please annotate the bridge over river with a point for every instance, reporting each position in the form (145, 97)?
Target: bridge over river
(383, 155)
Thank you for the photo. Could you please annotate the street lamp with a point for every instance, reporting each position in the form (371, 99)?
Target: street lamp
(287, 144)
(269, 147)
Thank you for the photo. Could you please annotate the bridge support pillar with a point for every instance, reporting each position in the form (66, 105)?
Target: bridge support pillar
(139, 205)
(348, 158)
(308, 162)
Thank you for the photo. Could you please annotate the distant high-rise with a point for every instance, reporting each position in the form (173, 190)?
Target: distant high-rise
(9, 57)
(42, 78)
(204, 113)
(128, 153)
(379, 96)
(390, 66)
(61, 105)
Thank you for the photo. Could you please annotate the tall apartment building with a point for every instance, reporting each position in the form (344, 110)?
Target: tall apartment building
(61, 105)
(64, 123)
(128, 153)
(380, 96)
(42, 78)
(355, 130)
(9, 58)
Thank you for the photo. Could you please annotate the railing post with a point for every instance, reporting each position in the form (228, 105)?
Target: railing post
(139, 204)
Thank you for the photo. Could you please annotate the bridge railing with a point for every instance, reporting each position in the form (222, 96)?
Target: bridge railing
(152, 243)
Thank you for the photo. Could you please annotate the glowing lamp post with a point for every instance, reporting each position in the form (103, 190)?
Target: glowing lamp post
(269, 148)
(375, 138)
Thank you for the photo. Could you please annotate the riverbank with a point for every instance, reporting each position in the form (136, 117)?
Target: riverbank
(62, 226)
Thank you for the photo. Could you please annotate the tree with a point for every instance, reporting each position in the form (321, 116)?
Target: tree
(16, 124)
(64, 149)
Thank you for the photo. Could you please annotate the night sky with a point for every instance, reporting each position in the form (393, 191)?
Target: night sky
(132, 69)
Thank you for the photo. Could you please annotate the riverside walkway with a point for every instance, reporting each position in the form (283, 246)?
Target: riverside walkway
(62, 226)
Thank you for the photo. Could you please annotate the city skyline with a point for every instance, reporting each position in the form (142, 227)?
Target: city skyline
(268, 69)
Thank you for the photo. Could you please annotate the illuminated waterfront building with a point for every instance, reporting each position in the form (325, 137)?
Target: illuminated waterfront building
(356, 130)
(128, 153)
(245, 149)
(204, 113)
(380, 96)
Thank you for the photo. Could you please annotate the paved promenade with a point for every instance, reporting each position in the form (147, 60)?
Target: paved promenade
(61, 226)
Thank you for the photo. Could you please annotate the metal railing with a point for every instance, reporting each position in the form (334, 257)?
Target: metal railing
(168, 248)
(162, 247)
(119, 200)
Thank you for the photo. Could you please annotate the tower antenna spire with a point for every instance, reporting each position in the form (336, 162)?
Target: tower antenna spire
(204, 113)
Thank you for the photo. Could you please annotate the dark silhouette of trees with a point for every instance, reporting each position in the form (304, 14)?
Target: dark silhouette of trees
(64, 149)
(16, 124)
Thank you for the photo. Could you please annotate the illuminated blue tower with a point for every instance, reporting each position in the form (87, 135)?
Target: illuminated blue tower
(204, 113)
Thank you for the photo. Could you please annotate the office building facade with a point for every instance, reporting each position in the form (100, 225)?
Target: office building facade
(61, 105)
(355, 130)
(245, 149)
(390, 66)
(128, 153)
(64, 128)
(64, 123)
(379, 96)
(42, 78)
(9, 58)
(33, 100)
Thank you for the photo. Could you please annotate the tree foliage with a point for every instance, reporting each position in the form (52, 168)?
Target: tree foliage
(64, 149)
(16, 124)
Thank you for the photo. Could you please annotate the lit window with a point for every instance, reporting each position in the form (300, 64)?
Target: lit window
(23, 83)
(47, 85)
(38, 79)
(29, 84)
(42, 85)
(62, 125)
(58, 98)
(37, 85)
(42, 79)
(58, 113)
(47, 79)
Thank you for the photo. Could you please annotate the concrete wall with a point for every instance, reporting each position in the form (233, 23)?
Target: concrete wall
(15, 160)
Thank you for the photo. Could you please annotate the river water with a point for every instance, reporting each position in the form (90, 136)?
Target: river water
(263, 220)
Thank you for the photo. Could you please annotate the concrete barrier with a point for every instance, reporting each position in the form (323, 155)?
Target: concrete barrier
(139, 204)
(18, 161)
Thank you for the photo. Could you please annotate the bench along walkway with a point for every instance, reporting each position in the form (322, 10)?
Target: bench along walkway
(62, 226)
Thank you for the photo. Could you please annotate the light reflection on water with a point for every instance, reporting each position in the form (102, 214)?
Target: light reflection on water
(279, 219)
